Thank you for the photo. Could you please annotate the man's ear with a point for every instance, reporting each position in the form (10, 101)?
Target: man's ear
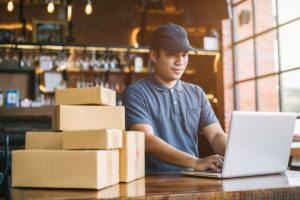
(153, 56)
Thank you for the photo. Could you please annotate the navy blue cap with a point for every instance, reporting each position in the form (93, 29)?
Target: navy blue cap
(172, 38)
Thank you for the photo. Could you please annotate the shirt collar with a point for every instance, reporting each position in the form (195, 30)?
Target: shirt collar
(161, 87)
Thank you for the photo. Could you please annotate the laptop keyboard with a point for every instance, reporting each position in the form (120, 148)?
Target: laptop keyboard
(211, 171)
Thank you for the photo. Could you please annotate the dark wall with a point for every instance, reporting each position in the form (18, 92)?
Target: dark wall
(111, 21)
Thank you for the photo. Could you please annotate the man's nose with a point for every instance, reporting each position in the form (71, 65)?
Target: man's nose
(179, 60)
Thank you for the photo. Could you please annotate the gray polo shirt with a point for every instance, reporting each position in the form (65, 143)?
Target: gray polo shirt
(176, 115)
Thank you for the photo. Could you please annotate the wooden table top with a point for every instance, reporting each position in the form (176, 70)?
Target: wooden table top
(295, 150)
(175, 185)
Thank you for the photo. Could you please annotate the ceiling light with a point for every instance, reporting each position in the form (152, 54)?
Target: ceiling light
(10, 6)
(50, 7)
(69, 13)
(88, 7)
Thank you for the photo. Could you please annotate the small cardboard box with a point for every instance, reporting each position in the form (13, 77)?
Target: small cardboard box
(43, 140)
(66, 117)
(83, 96)
(65, 169)
(93, 139)
(132, 156)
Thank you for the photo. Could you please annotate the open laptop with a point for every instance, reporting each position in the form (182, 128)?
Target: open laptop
(258, 143)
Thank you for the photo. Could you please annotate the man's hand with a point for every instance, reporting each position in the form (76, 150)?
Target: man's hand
(214, 162)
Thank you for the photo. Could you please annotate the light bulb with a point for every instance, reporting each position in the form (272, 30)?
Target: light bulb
(50, 7)
(10, 6)
(69, 15)
(88, 8)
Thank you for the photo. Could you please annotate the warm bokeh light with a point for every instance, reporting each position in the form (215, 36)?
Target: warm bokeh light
(50, 7)
(10, 6)
(69, 15)
(88, 8)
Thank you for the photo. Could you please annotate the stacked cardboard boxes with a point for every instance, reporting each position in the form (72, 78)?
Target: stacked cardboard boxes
(89, 149)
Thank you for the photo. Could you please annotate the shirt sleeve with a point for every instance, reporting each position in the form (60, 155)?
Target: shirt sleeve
(207, 115)
(136, 111)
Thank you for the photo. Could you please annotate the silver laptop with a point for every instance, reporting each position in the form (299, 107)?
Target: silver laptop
(258, 143)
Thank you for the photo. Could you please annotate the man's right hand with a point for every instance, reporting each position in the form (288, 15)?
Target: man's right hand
(214, 162)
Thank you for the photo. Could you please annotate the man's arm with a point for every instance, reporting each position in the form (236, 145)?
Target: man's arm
(164, 152)
(216, 138)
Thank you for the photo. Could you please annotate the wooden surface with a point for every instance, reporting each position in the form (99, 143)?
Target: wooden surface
(175, 185)
(295, 150)
(20, 112)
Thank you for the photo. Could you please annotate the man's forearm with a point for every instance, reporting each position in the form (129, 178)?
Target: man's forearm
(219, 143)
(162, 151)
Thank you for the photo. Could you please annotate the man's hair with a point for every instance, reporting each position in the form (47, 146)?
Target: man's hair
(157, 51)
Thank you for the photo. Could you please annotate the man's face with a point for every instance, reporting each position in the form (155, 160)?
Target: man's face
(169, 66)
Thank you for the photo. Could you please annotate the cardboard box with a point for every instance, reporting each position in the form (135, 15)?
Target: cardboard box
(89, 95)
(43, 140)
(132, 156)
(65, 169)
(66, 117)
(93, 139)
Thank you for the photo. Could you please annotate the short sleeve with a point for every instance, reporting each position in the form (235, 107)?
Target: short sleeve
(207, 115)
(136, 110)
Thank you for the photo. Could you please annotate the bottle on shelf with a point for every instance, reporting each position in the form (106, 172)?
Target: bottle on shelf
(1, 98)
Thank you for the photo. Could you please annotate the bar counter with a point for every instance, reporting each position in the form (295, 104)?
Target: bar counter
(174, 185)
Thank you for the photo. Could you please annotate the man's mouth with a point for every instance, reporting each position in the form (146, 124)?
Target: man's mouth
(177, 71)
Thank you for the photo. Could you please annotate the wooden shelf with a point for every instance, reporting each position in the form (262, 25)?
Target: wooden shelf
(31, 112)
(68, 46)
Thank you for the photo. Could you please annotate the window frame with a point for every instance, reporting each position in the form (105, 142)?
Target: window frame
(253, 38)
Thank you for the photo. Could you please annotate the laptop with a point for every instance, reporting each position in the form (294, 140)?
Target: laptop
(259, 143)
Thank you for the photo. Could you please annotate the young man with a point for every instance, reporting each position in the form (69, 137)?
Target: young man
(173, 113)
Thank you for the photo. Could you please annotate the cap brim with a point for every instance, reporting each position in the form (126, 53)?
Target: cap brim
(193, 49)
(177, 49)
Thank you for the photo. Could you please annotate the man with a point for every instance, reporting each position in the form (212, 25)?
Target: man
(172, 113)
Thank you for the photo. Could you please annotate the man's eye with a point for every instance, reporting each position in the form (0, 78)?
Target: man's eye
(171, 54)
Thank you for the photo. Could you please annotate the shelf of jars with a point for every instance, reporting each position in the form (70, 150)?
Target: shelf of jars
(74, 57)
(72, 65)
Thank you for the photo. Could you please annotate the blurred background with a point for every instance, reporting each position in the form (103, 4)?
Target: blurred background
(247, 53)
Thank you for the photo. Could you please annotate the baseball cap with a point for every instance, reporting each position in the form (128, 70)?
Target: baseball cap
(171, 37)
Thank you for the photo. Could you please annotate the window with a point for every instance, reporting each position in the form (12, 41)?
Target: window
(288, 10)
(265, 15)
(265, 55)
(243, 20)
(291, 91)
(246, 95)
(289, 45)
(268, 93)
(244, 60)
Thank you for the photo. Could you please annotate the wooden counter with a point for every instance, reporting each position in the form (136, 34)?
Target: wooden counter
(175, 185)
(295, 150)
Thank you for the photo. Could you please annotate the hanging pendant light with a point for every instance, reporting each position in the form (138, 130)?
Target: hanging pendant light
(50, 7)
(10, 6)
(69, 13)
(88, 7)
